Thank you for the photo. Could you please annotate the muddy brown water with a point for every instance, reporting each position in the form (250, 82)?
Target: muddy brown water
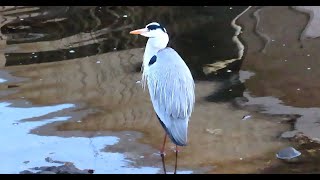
(68, 88)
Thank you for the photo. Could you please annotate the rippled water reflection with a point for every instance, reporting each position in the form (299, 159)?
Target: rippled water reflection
(68, 87)
(23, 150)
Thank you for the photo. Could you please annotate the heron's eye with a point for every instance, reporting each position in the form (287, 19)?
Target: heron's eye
(153, 60)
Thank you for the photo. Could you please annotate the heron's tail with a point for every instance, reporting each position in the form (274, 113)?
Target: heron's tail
(177, 131)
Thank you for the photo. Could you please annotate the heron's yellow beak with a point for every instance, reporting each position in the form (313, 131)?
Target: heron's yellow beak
(139, 31)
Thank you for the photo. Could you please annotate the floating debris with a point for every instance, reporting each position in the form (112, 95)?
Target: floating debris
(230, 8)
(33, 53)
(312, 151)
(138, 82)
(246, 117)
(72, 51)
(272, 40)
(125, 16)
(98, 62)
(288, 153)
(308, 68)
(298, 89)
(240, 159)
(229, 70)
(283, 44)
(21, 19)
(79, 121)
(308, 54)
(214, 131)
(12, 86)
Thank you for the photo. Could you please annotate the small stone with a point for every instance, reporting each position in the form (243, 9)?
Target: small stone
(288, 153)
(289, 134)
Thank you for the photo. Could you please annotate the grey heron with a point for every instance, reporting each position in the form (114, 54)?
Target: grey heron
(170, 83)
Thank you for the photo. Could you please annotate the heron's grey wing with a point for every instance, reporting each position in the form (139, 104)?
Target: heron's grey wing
(171, 84)
(171, 89)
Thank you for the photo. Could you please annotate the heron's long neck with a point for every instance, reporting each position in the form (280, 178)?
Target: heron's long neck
(150, 50)
(152, 47)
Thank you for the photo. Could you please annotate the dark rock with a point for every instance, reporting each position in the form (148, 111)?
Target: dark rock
(46, 172)
(26, 172)
(67, 168)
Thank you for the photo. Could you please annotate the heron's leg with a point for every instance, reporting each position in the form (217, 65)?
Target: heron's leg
(164, 144)
(176, 164)
(162, 153)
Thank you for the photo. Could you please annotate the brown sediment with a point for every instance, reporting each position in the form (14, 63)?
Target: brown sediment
(281, 72)
(285, 80)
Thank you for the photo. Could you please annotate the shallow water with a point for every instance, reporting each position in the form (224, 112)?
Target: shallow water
(68, 88)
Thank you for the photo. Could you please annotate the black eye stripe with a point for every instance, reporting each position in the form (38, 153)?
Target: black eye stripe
(153, 60)
(154, 27)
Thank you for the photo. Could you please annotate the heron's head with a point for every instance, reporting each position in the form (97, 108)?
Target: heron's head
(157, 34)
(152, 30)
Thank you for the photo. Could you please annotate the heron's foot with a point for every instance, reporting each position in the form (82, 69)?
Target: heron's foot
(175, 149)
